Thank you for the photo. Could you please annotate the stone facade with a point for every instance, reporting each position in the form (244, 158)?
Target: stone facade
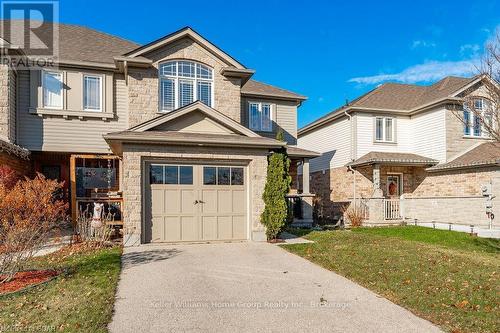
(456, 143)
(7, 104)
(133, 156)
(143, 82)
(454, 196)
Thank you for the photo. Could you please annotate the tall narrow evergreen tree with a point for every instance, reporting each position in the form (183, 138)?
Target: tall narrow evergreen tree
(277, 187)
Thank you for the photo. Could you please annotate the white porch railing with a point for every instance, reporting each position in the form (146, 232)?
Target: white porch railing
(392, 209)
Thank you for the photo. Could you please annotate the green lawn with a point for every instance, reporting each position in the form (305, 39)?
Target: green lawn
(81, 301)
(449, 278)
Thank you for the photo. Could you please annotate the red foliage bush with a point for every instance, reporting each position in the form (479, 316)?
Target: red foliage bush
(28, 212)
(8, 177)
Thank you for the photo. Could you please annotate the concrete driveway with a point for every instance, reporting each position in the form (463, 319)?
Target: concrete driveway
(245, 287)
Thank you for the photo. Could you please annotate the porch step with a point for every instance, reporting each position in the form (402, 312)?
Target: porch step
(302, 224)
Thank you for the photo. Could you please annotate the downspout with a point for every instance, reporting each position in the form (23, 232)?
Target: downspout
(125, 71)
(351, 157)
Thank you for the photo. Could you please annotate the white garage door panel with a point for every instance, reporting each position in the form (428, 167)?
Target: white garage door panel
(172, 229)
(189, 209)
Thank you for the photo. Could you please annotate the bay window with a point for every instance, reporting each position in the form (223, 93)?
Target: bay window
(260, 116)
(92, 93)
(52, 85)
(183, 82)
(385, 129)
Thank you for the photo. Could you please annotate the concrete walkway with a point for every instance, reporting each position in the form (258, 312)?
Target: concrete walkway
(245, 287)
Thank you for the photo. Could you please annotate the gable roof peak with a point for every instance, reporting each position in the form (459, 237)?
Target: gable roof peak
(194, 107)
(186, 31)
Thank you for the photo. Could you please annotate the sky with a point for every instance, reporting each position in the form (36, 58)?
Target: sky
(329, 51)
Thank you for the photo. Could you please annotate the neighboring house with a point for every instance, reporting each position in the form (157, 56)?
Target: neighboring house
(173, 136)
(402, 152)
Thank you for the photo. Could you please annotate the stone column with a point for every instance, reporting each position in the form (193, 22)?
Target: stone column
(305, 176)
(377, 191)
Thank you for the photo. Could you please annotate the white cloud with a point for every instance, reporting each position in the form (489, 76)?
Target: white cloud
(431, 71)
(426, 72)
(469, 49)
(422, 43)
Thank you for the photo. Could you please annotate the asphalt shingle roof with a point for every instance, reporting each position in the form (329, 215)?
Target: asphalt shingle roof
(486, 154)
(399, 96)
(78, 43)
(375, 157)
(252, 87)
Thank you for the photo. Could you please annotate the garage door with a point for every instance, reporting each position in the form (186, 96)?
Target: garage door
(195, 203)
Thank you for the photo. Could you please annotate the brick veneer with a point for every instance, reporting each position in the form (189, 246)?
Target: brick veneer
(143, 83)
(21, 166)
(334, 187)
(455, 182)
(451, 196)
(133, 155)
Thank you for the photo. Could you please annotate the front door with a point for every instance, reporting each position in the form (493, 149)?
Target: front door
(195, 203)
(394, 186)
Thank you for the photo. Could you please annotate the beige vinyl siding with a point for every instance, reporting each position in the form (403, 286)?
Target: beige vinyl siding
(429, 134)
(333, 141)
(55, 133)
(366, 135)
(284, 117)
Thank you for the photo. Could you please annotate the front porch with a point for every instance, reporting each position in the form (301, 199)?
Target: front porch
(392, 176)
(88, 179)
(300, 199)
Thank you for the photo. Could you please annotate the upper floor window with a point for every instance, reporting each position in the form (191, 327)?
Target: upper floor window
(474, 120)
(384, 129)
(92, 93)
(52, 85)
(183, 82)
(260, 116)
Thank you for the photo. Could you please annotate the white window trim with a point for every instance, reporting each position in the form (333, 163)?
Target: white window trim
(61, 73)
(472, 117)
(271, 116)
(384, 126)
(101, 83)
(177, 78)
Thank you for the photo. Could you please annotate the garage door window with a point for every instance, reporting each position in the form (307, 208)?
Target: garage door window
(222, 176)
(236, 176)
(171, 174)
(156, 174)
(186, 175)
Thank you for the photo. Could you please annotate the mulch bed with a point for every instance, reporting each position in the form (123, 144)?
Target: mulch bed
(276, 240)
(23, 280)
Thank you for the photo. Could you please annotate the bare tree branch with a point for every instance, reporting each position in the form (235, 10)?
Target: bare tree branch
(485, 119)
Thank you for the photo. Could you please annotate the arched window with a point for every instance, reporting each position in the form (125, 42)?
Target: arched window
(183, 82)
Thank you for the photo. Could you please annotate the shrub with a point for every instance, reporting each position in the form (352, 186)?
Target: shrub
(94, 234)
(354, 214)
(8, 177)
(278, 181)
(28, 213)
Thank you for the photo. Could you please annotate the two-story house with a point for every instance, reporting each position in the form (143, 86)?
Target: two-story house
(406, 151)
(173, 136)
